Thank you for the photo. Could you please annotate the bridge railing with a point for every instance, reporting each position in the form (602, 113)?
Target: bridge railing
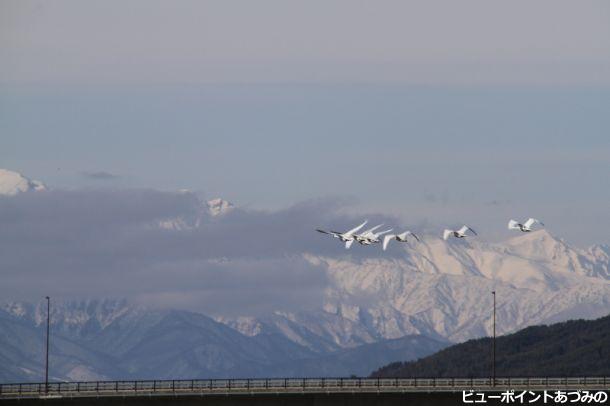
(291, 385)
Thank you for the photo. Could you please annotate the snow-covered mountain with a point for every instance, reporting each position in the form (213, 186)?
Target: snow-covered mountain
(12, 183)
(436, 290)
(111, 339)
(443, 290)
(405, 306)
(219, 207)
(214, 208)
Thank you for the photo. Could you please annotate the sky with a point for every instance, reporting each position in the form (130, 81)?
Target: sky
(190, 41)
(435, 113)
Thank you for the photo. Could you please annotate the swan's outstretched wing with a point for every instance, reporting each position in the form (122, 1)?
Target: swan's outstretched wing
(348, 244)
(466, 228)
(334, 234)
(446, 234)
(386, 240)
(370, 231)
(513, 225)
(355, 229)
(531, 221)
(376, 235)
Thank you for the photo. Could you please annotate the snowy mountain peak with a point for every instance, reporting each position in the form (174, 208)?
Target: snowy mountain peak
(211, 208)
(542, 235)
(70, 314)
(439, 288)
(12, 183)
(217, 207)
(536, 244)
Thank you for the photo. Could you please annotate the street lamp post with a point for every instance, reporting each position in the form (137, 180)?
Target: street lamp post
(493, 344)
(46, 371)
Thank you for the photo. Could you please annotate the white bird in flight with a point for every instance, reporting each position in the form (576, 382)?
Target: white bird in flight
(369, 237)
(525, 227)
(347, 237)
(461, 233)
(366, 233)
(398, 237)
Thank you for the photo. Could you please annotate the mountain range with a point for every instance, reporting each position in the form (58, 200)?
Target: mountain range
(407, 304)
(111, 339)
(443, 290)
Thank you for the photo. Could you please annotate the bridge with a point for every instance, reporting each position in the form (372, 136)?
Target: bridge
(274, 390)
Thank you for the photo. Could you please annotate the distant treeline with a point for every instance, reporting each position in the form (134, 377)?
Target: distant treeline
(572, 348)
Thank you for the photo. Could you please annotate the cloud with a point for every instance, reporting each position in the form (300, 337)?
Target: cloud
(100, 175)
(107, 244)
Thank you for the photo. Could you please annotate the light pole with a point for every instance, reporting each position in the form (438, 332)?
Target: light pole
(493, 344)
(46, 371)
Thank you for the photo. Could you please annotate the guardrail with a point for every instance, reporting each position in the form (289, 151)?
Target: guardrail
(292, 385)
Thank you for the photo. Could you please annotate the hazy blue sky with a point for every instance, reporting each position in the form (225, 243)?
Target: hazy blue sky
(438, 42)
(443, 111)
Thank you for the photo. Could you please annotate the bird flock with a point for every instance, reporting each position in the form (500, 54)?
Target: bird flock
(372, 236)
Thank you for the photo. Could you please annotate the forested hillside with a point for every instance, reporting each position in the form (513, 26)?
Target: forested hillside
(572, 348)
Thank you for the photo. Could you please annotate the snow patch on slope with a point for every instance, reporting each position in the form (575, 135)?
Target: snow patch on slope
(218, 207)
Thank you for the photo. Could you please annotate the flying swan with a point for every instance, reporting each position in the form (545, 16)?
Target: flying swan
(461, 233)
(525, 227)
(398, 237)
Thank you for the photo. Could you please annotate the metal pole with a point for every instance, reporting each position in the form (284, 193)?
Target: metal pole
(46, 372)
(493, 344)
